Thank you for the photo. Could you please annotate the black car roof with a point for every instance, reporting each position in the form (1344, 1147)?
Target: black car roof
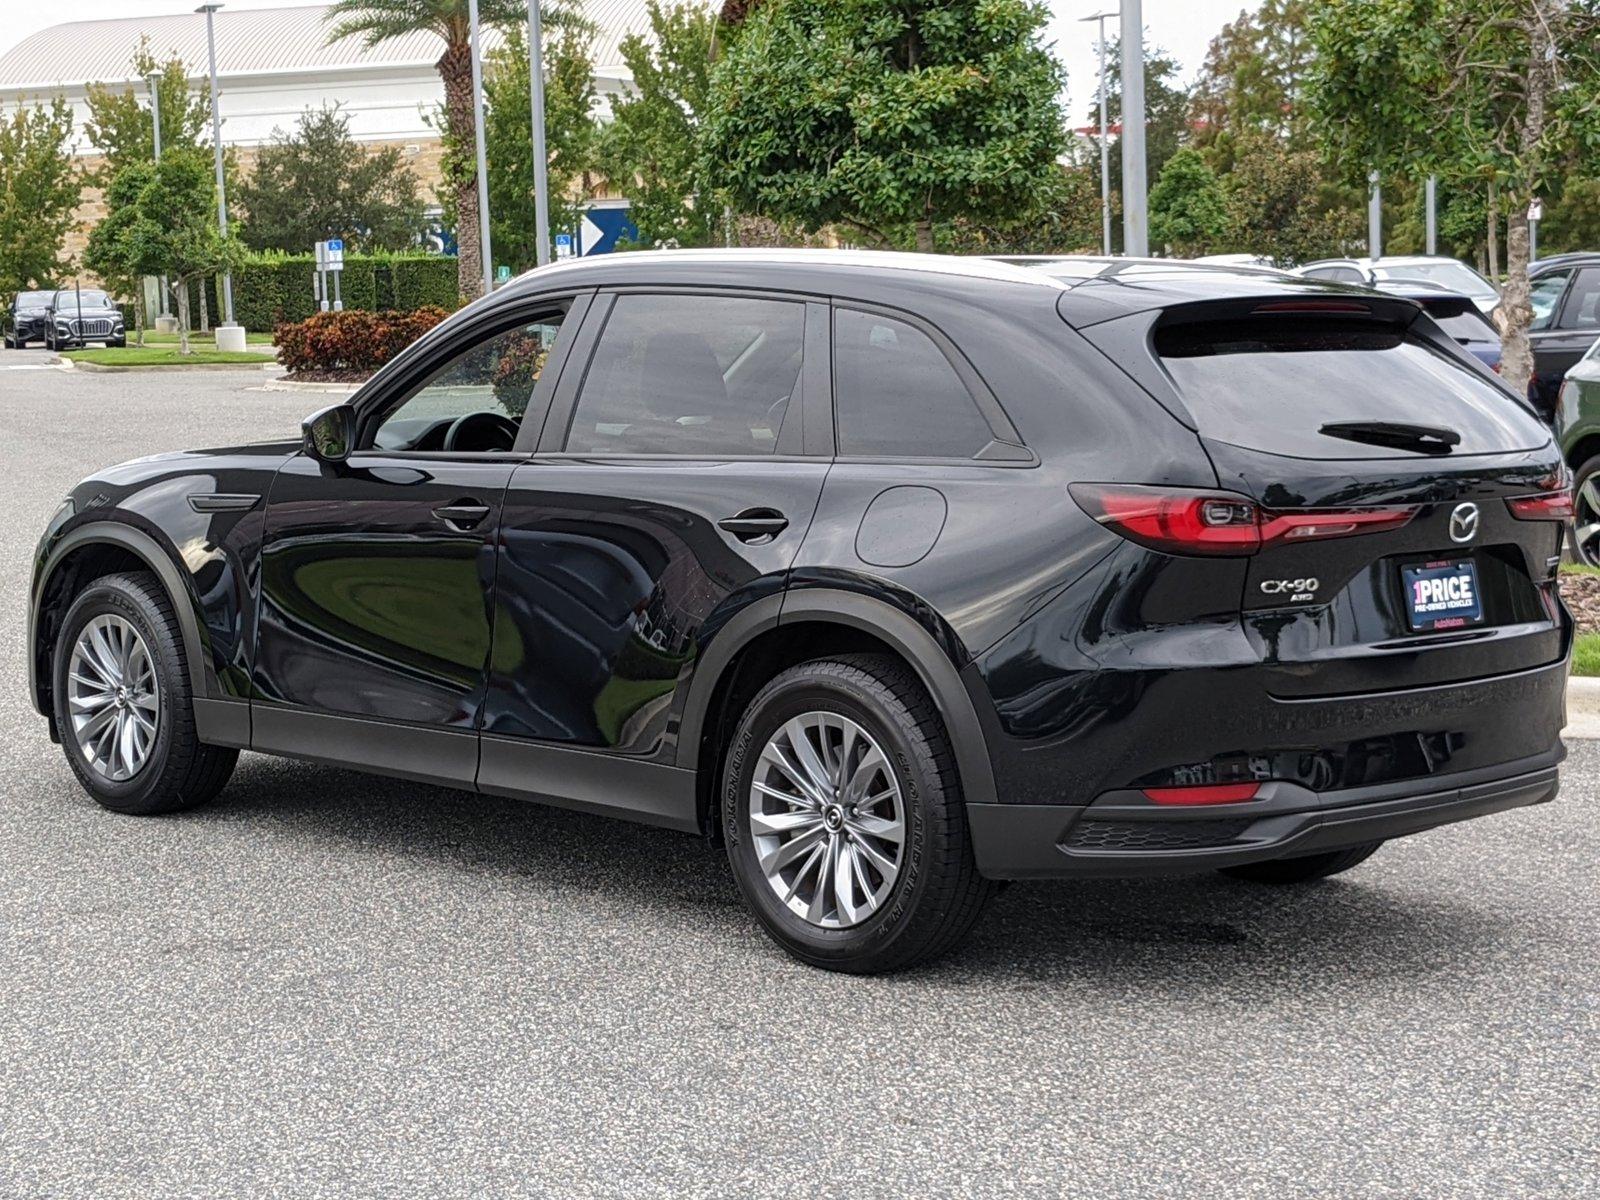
(1117, 286)
(1575, 258)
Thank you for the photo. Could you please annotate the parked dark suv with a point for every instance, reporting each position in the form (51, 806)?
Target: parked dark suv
(78, 316)
(896, 575)
(27, 319)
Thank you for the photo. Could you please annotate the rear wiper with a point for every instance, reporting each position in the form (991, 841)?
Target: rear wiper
(1429, 439)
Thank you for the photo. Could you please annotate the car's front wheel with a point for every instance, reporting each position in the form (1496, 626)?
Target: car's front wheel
(1584, 532)
(123, 703)
(844, 818)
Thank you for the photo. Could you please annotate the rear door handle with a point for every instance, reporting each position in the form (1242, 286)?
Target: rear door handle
(462, 515)
(755, 525)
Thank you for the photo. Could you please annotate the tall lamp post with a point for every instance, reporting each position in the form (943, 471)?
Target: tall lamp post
(541, 159)
(483, 156)
(154, 80)
(1135, 227)
(1105, 150)
(210, 11)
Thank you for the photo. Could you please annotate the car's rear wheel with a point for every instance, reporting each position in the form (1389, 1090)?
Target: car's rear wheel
(123, 703)
(1305, 868)
(844, 818)
(1583, 534)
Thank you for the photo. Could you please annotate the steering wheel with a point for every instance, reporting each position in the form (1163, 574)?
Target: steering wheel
(481, 431)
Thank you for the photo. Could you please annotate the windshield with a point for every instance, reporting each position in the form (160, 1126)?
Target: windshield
(1272, 385)
(89, 299)
(1458, 277)
(33, 300)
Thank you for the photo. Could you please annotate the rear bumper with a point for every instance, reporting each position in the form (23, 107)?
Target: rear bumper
(1122, 836)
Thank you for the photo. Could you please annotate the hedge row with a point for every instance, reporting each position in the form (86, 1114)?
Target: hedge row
(351, 341)
(270, 290)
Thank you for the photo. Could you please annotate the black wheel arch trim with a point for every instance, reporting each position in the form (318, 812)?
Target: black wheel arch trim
(145, 547)
(933, 665)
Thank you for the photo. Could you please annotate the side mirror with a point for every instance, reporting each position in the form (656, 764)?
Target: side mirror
(328, 436)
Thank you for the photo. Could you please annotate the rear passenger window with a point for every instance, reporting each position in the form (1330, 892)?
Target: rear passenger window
(693, 375)
(896, 394)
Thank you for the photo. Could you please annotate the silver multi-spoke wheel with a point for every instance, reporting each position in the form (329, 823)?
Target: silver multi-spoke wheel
(827, 819)
(1586, 521)
(113, 697)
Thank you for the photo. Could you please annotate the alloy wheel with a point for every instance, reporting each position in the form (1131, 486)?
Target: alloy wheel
(113, 698)
(827, 819)
(1586, 521)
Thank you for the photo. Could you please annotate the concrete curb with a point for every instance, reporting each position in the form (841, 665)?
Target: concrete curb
(325, 389)
(101, 369)
(1583, 707)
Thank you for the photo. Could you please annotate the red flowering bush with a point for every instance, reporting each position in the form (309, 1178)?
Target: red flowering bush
(350, 343)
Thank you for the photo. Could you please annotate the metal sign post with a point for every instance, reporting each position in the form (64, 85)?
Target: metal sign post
(336, 268)
(1535, 215)
(320, 277)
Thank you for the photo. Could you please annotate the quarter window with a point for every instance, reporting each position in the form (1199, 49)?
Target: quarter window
(1544, 295)
(692, 375)
(1582, 310)
(897, 395)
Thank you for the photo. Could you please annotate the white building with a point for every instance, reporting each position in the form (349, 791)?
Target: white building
(272, 65)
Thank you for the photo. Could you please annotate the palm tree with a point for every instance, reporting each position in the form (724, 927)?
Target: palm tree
(377, 21)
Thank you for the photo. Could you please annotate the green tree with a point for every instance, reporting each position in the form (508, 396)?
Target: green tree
(1572, 218)
(1281, 205)
(1253, 80)
(319, 182)
(650, 150)
(1506, 92)
(38, 194)
(1166, 108)
(1188, 211)
(164, 222)
(878, 114)
(120, 126)
(375, 21)
(570, 132)
(1067, 221)
(111, 254)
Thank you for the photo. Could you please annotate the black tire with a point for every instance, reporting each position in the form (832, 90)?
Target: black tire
(180, 770)
(1582, 513)
(118, 344)
(1304, 869)
(938, 894)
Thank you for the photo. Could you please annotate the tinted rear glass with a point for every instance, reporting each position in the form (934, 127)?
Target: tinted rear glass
(1272, 384)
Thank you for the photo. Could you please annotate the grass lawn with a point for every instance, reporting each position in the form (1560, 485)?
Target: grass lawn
(1570, 568)
(163, 356)
(1586, 654)
(171, 339)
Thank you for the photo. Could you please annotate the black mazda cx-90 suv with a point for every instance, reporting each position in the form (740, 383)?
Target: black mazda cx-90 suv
(896, 576)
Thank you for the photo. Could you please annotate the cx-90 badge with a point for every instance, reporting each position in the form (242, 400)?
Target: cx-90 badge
(1464, 522)
(1299, 589)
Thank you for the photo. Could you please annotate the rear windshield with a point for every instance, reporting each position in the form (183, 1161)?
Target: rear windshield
(1470, 325)
(1271, 385)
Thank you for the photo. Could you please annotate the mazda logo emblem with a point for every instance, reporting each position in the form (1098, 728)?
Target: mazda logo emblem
(1464, 522)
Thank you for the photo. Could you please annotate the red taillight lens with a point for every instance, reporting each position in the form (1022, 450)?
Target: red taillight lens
(1547, 506)
(1210, 793)
(1180, 521)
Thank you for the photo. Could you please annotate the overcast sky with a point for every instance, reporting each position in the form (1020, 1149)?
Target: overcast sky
(1182, 27)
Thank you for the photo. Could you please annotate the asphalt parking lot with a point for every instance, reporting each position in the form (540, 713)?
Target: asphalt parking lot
(331, 985)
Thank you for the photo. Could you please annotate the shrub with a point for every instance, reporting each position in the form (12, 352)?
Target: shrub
(273, 288)
(352, 341)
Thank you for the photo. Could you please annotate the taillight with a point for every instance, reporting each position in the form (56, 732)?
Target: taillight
(1547, 506)
(1181, 521)
(1210, 793)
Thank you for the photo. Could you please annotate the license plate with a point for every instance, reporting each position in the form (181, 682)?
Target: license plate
(1442, 595)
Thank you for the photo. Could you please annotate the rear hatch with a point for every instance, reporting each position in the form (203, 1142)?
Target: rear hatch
(1408, 506)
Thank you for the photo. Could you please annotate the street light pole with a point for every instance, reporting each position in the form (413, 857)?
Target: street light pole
(483, 157)
(1105, 150)
(210, 11)
(1135, 226)
(541, 160)
(1431, 222)
(1375, 218)
(154, 80)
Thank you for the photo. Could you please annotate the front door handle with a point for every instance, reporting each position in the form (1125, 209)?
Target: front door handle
(755, 526)
(462, 515)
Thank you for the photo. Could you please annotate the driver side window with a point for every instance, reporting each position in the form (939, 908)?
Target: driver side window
(476, 401)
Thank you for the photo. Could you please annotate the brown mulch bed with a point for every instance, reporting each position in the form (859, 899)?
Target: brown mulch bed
(328, 376)
(1582, 594)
